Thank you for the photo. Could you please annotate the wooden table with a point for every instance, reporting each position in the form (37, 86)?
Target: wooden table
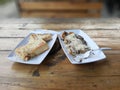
(56, 72)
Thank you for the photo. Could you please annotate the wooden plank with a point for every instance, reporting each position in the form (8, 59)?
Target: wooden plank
(10, 43)
(57, 14)
(61, 20)
(110, 39)
(86, 25)
(111, 83)
(19, 26)
(104, 34)
(108, 67)
(94, 75)
(108, 44)
(52, 0)
(57, 5)
(63, 26)
(55, 72)
(14, 33)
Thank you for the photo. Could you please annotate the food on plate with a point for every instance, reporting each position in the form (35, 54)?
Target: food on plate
(36, 45)
(74, 43)
(45, 37)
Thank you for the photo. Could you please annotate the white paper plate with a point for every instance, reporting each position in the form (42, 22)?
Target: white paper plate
(98, 55)
(38, 59)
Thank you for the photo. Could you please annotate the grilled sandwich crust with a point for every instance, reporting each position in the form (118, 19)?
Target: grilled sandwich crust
(36, 45)
(31, 50)
(45, 37)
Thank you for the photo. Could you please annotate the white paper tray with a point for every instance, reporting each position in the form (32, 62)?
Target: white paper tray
(38, 59)
(98, 55)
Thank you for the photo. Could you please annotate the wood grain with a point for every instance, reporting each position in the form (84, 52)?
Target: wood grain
(93, 83)
(94, 34)
(57, 21)
(63, 26)
(58, 14)
(56, 72)
(89, 76)
(52, 0)
(48, 8)
(87, 25)
(57, 5)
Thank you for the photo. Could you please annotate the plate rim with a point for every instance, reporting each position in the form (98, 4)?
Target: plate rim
(26, 37)
(67, 54)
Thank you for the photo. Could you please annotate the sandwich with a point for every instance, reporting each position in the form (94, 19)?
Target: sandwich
(36, 45)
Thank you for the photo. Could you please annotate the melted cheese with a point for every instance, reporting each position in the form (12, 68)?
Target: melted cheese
(74, 43)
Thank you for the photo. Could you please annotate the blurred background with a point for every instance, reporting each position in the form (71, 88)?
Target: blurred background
(59, 8)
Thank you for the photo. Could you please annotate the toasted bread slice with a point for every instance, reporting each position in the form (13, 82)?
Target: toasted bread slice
(45, 37)
(32, 49)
